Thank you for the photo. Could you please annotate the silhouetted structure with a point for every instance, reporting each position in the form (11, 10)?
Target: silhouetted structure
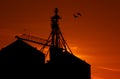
(62, 63)
(66, 65)
(21, 53)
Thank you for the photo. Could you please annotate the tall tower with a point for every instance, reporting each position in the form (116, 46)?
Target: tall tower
(55, 30)
(58, 43)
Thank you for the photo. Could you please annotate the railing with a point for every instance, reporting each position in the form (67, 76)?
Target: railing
(34, 39)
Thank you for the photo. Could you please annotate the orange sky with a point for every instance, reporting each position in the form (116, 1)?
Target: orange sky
(94, 37)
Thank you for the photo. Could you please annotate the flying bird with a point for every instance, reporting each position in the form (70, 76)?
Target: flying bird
(77, 15)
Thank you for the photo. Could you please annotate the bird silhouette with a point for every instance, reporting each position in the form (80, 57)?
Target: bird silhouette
(76, 15)
(79, 14)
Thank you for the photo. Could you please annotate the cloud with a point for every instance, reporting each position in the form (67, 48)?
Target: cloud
(96, 77)
(110, 69)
